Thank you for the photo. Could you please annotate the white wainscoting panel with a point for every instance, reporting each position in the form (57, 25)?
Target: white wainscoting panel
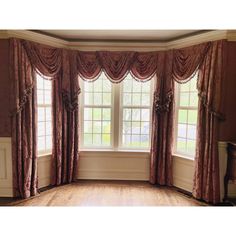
(112, 165)
(183, 171)
(6, 182)
(44, 171)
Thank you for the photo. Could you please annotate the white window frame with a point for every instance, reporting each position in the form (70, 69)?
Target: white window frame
(116, 120)
(133, 107)
(176, 115)
(81, 116)
(46, 151)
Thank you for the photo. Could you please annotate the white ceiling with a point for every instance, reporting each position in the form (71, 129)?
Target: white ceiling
(134, 35)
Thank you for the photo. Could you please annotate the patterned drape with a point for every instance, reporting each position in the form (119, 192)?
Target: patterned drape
(211, 78)
(64, 67)
(209, 59)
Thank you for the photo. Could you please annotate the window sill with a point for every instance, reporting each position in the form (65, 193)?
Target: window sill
(183, 156)
(114, 151)
(41, 155)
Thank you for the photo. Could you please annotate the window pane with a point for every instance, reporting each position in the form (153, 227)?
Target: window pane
(136, 86)
(146, 87)
(48, 142)
(184, 87)
(126, 140)
(88, 139)
(47, 97)
(97, 127)
(127, 85)
(127, 99)
(88, 86)
(136, 99)
(144, 141)
(191, 146)
(106, 139)
(48, 114)
(192, 117)
(106, 127)
(41, 128)
(97, 99)
(145, 99)
(182, 130)
(106, 98)
(181, 144)
(88, 126)
(135, 127)
(106, 114)
(41, 114)
(39, 82)
(88, 113)
(182, 116)
(144, 127)
(48, 128)
(97, 113)
(97, 139)
(47, 84)
(145, 115)
(106, 85)
(127, 114)
(40, 99)
(98, 85)
(135, 140)
(193, 99)
(41, 143)
(126, 127)
(88, 98)
(135, 114)
(184, 99)
(191, 132)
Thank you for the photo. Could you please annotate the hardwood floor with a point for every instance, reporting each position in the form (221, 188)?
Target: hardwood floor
(108, 193)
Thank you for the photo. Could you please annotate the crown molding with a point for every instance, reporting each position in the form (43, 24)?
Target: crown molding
(196, 39)
(35, 37)
(230, 35)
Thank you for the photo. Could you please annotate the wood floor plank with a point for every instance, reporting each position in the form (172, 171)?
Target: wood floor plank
(108, 193)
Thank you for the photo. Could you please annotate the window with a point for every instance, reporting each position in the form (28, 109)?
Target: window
(115, 116)
(135, 113)
(97, 113)
(186, 117)
(44, 94)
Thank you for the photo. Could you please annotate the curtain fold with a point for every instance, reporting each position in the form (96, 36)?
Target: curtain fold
(65, 155)
(162, 123)
(211, 75)
(186, 61)
(25, 183)
(116, 65)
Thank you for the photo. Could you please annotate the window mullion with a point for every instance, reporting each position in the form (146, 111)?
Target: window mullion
(116, 116)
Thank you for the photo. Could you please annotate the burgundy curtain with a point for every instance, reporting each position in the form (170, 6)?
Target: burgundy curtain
(116, 65)
(211, 75)
(60, 66)
(208, 58)
(24, 116)
(66, 120)
(162, 123)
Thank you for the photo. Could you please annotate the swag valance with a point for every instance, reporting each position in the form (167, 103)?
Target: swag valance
(64, 66)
